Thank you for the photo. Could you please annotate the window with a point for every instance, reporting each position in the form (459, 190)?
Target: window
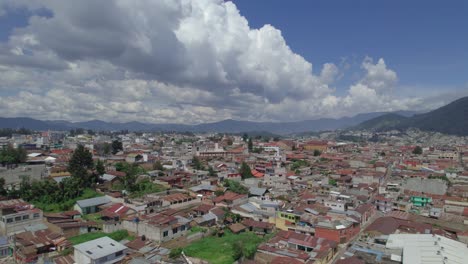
(118, 254)
(166, 233)
(10, 220)
(25, 217)
(36, 215)
(18, 218)
(174, 230)
(182, 228)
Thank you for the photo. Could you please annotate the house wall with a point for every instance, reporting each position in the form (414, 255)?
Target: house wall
(81, 258)
(19, 224)
(152, 232)
(337, 235)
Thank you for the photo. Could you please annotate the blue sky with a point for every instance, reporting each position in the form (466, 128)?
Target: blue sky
(197, 61)
(425, 42)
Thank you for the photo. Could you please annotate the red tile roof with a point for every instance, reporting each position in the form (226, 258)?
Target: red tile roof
(257, 174)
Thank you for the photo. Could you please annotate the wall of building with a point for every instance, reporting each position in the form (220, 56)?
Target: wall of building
(19, 225)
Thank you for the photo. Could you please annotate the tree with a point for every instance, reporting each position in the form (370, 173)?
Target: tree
(218, 192)
(79, 164)
(116, 146)
(196, 163)
(317, 152)
(245, 137)
(250, 144)
(236, 187)
(100, 169)
(417, 150)
(10, 155)
(175, 253)
(332, 182)
(211, 171)
(158, 166)
(3, 191)
(245, 171)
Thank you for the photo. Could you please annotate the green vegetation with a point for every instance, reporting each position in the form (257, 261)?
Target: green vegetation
(175, 252)
(235, 186)
(298, 164)
(117, 236)
(257, 150)
(197, 229)
(317, 153)
(144, 187)
(442, 177)
(250, 144)
(130, 180)
(332, 182)
(100, 169)
(158, 166)
(52, 196)
(65, 205)
(197, 164)
(226, 249)
(211, 171)
(10, 155)
(449, 119)
(66, 251)
(245, 171)
(116, 146)
(8, 132)
(417, 150)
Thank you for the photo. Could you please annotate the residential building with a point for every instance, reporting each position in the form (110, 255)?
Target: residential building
(103, 250)
(16, 215)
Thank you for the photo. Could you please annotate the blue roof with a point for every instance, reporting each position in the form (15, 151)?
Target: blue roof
(93, 202)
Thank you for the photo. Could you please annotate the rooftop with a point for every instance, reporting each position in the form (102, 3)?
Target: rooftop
(427, 249)
(101, 247)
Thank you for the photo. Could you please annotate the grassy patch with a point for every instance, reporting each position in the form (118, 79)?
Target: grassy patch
(93, 217)
(197, 229)
(145, 187)
(117, 236)
(225, 249)
(65, 205)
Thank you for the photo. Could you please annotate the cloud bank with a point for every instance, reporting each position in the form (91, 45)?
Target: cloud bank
(176, 61)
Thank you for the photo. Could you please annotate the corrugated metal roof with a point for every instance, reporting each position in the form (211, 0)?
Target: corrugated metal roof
(101, 247)
(93, 202)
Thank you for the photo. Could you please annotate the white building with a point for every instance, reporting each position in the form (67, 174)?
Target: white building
(428, 249)
(103, 250)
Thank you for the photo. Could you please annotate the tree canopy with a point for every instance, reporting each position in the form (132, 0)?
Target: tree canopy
(10, 155)
(235, 186)
(116, 146)
(245, 171)
(417, 150)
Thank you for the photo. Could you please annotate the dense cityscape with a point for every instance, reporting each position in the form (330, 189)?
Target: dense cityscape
(82, 196)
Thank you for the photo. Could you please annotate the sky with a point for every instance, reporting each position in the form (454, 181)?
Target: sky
(196, 61)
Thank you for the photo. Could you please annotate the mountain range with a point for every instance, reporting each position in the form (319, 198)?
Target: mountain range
(449, 119)
(225, 126)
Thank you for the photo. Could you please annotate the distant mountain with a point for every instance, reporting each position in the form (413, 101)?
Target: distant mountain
(449, 119)
(225, 126)
(384, 122)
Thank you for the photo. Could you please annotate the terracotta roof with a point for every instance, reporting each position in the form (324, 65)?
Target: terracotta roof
(285, 260)
(257, 224)
(237, 227)
(388, 225)
(351, 260)
(257, 174)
